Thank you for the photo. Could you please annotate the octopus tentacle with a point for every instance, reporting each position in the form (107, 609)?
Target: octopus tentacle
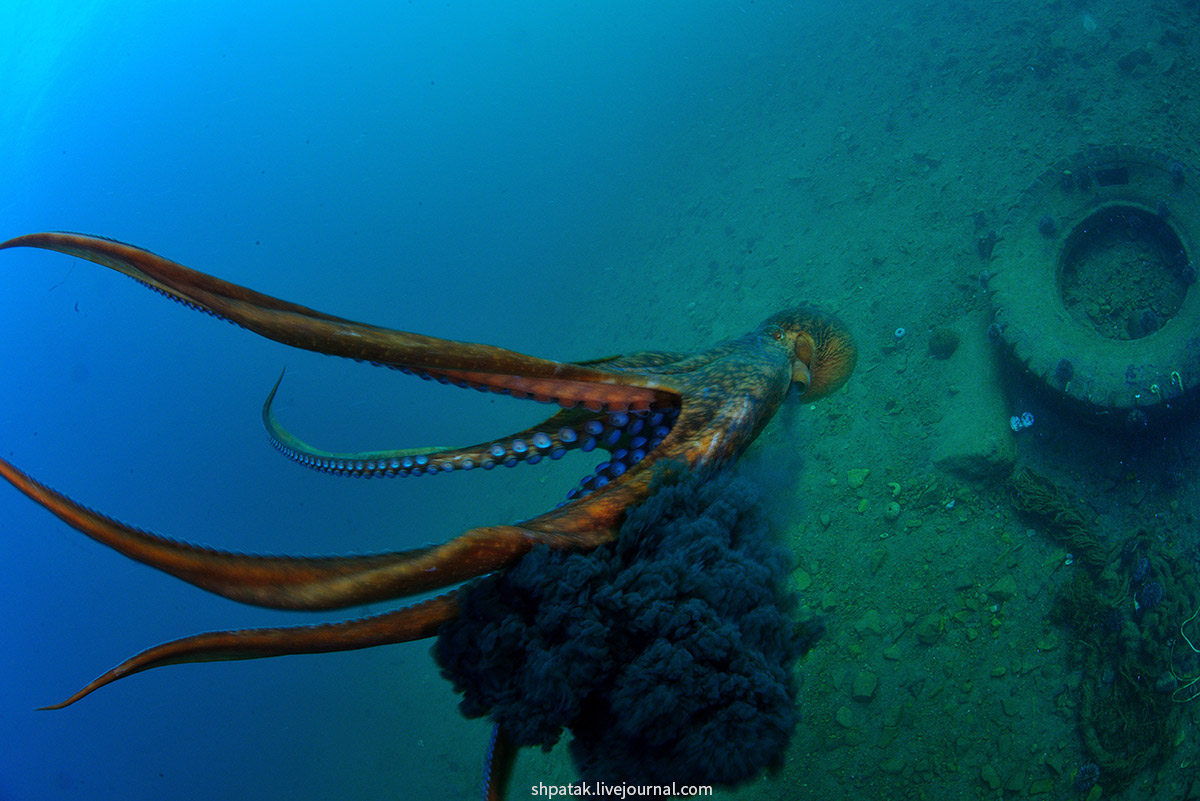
(498, 764)
(462, 363)
(631, 435)
(550, 439)
(288, 582)
(402, 625)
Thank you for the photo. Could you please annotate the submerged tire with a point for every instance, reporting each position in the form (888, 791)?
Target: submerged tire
(1093, 283)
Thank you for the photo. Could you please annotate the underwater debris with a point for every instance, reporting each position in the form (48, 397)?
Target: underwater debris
(1149, 596)
(1139, 666)
(1020, 422)
(1086, 777)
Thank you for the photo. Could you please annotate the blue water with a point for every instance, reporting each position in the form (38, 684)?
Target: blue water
(477, 171)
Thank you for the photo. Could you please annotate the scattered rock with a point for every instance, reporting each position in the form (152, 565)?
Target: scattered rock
(801, 580)
(1016, 782)
(892, 766)
(921, 157)
(869, 623)
(990, 777)
(929, 628)
(1005, 588)
(864, 686)
(1140, 57)
(1173, 36)
(844, 717)
(857, 476)
(943, 342)
(1041, 786)
(985, 244)
(1048, 642)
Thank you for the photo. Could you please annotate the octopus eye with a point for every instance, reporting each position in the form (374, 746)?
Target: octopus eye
(776, 333)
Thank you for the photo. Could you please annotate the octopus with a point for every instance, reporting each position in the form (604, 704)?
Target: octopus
(643, 409)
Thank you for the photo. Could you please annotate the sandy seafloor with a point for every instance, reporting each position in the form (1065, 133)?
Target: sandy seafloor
(572, 184)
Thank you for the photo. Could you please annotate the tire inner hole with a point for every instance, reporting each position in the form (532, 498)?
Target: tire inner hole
(1122, 271)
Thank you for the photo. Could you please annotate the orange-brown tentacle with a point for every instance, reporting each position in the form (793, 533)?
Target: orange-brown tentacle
(403, 625)
(297, 582)
(463, 363)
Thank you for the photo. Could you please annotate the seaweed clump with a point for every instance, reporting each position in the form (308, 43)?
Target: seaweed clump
(1036, 497)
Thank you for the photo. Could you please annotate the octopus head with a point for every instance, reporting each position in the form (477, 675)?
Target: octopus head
(822, 350)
